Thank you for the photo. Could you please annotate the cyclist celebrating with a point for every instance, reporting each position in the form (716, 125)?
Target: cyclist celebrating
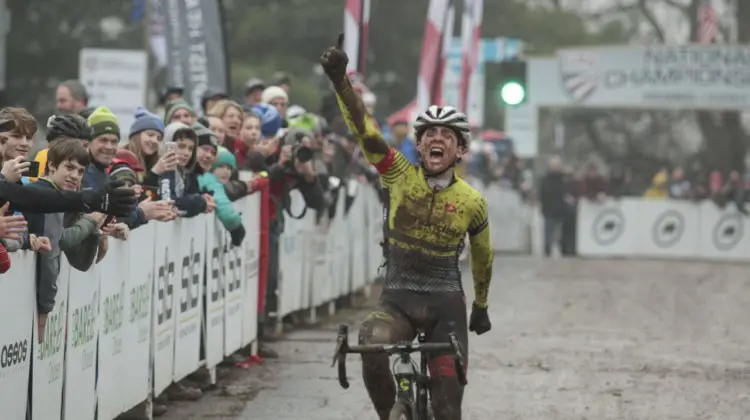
(428, 212)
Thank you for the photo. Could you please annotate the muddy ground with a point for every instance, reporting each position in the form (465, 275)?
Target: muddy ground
(572, 339)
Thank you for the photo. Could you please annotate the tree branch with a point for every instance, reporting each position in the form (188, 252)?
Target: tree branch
(649, 15)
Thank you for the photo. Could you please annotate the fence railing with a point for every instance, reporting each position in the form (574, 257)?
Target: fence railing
(135, 323)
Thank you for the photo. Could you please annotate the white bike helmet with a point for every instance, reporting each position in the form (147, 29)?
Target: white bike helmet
(445, 116)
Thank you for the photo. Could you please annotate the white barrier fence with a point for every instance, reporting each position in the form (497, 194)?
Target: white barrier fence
(509, 218)
(133, 323)
(634, 227)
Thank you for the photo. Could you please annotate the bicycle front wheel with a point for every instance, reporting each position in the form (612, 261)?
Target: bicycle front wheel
(400, 411)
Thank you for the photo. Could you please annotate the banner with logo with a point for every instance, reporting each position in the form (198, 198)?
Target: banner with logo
(80, 353)
(604, 228)
(189, 294)
(724, 233)
(18, 300)
(644, 76)
(251, 246)
(195, 47)
(232, 270)
(49, 355)
(635, 227)
(667, 229)
(214, 338)
(135, 381)
(167, 249)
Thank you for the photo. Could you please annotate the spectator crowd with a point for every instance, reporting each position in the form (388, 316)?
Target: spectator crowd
(96, 181)
(562, 188)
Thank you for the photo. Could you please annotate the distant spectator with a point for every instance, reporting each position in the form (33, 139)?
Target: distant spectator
(253, 91)
(659, 188)
(679, 187)
(552, 200)
(402, 141)
(210, 98)
(734, 191)
(71, 97)
(179, 110)
(283, 80)
(594, 186)
(619, 182)
(277, 98)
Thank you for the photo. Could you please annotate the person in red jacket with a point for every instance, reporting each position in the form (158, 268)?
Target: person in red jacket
(4, 260)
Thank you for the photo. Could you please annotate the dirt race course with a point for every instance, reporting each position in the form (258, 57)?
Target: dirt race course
(572, 339)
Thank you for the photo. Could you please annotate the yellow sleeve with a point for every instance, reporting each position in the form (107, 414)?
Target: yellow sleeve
(481, 254)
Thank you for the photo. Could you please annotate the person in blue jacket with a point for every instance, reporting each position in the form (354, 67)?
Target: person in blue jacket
(208, 183)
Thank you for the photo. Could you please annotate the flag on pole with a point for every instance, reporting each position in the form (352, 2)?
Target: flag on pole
(707, 22)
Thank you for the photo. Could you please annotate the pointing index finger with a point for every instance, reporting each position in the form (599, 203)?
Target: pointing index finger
(340, 41)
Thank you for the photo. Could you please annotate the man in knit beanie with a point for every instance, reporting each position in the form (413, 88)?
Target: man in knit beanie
(180, 110)
(277, 98)
(144, 121)
(103, 146)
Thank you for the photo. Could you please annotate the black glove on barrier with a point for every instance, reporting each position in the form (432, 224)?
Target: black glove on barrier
(479, 322)
(111, 199)
(237, 234)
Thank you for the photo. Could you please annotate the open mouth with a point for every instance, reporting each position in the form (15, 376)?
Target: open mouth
(436, 154)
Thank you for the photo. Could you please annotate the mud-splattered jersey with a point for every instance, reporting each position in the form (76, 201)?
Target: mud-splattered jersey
(425, 230)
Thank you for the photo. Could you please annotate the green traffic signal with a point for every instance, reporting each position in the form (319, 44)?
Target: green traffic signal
(512, 93)
(512, 86)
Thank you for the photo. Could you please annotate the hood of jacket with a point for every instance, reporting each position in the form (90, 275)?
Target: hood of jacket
(170, 133)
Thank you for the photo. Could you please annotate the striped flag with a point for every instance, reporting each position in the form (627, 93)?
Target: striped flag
(356, 33)
(707, 22)
(471, 28)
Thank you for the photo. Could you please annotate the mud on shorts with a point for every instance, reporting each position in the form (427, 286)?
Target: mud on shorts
(400, 313)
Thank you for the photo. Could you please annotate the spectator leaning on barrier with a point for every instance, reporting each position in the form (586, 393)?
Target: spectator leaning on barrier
(208, 183)
(71, 97)
(594, 186)
(552, 200)
(126, 168)
(68, 160)
(659, 188)
(619, 182)
(679, 187)
(182, 182)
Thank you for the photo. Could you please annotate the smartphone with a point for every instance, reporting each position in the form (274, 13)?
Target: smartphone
(108, 220)
(170, 147)
(33, 170)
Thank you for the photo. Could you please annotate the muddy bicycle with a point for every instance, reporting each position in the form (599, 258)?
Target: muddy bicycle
(412, 382)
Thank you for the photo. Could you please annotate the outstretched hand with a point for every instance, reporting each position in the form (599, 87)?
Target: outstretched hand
(334, 60)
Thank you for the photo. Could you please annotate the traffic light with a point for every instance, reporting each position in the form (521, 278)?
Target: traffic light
(512, 89)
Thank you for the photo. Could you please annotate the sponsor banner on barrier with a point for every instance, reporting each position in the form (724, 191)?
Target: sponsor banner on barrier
(666, 229)
(723, 233)
(49, 355)
(603, 228)
(166, 252)
(80, 353)
(113, 277)
(251, 220)
(18, 300)
(320, 281)
(233, 306)
(191, 235)
(134, 383)
(214, 316)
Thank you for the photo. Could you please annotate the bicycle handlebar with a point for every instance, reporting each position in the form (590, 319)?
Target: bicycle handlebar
(343, 348)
